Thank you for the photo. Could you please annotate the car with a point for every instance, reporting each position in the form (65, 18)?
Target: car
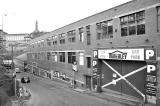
(17, 70)
(25, 79)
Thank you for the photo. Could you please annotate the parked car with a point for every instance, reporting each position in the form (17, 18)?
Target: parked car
(25, 79)
(17, 70)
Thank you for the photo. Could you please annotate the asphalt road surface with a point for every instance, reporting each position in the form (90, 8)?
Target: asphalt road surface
(52, 93)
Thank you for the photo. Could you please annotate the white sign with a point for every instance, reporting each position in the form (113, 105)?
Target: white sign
(122, 54)
(81, 59)
(7, 61)
(74, 67)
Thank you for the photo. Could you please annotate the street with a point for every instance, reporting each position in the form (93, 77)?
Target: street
(52, 93)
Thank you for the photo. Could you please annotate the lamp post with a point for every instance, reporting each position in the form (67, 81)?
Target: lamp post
(3, 20)
(12, 67)
(74, 68)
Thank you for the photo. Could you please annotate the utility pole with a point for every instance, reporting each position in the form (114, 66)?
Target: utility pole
(74, 68)
(12, 67)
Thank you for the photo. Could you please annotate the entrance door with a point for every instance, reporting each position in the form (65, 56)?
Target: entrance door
(88, 82)
(136, 71)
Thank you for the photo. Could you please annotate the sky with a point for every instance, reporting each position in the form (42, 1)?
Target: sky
(19, 16)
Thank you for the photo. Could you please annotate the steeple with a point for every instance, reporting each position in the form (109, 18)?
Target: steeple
(36, 27)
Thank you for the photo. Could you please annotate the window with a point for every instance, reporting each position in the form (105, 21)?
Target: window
(72, 39)
(42, 55)
(55, 42)
(71, 57)
(110, 28)
(132, 30)
(88, 62)
(71, 33)
(62, 41)
(62, 38)
(49, 41)
(104, 30)
(124, 31)
(81, 34)
(140, 15)
(98, 36)
(133, 24)
(54, 56)
(141, 29)
(62, 56)
(158, 19)
(42, 42)
(48, 55)
(54, 38)
(131, 18)
(124, 20)
(71, 36)
(88, 35)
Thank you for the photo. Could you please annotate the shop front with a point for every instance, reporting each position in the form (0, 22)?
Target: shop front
(128, 72)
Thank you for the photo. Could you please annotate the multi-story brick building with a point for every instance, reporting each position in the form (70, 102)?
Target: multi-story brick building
(117, 50)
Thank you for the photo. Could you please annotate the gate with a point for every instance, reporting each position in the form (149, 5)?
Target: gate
(124, 77)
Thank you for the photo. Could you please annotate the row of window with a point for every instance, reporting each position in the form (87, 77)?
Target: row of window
(53, 56)
(71, 36)
(132, 24)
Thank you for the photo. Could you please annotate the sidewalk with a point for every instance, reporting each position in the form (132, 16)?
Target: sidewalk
(108, 97)
(127, 101)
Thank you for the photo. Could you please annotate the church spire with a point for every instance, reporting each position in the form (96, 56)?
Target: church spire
(36, 26)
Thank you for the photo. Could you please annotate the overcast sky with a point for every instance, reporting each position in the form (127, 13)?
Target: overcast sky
(19, 16)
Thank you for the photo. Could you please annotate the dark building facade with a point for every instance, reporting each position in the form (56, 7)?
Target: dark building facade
(117, 50)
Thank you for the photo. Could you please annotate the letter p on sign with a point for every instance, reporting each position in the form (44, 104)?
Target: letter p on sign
(151, 68)
(150, 54)
(95, 54)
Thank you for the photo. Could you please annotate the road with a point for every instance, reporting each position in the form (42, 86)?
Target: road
(52, 93)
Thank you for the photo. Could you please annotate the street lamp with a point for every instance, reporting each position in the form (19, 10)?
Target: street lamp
(2, 20)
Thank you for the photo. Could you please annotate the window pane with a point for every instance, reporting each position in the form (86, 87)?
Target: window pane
(131, 18)
(98, 26)
(141, 29)
(98, 36)
(48, 56)
(124, 20)
(71, 57)
(104, 29)
(81, 34)
(132, 30)
(124, 31)
(110, 29)
(88, 62)
(54, 56)
(62, 56)
(140, 15)
(88, 39)
(88, 35)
